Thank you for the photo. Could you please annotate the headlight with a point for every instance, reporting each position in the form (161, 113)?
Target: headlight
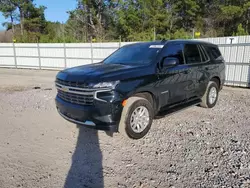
(110, 85)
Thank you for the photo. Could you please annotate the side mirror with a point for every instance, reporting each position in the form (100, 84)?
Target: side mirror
(169, 62)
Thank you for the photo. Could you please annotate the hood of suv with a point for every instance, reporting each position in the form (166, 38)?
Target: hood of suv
(100, 72)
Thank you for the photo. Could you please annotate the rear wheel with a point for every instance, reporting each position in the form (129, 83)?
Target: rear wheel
(137, 117)
(210, 98)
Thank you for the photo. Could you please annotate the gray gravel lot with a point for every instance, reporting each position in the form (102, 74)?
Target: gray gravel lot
(193, 148)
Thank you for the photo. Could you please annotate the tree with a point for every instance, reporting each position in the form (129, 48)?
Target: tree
(9, 11)
(55, 33)
(186, 12)
(241, 31)
(35, 22)
(93, 14)
(31, 19)
(143, 19)
(132, 20)
(77, 26)
(20, 5)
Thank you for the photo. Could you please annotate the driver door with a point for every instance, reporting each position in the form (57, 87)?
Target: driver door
(173, 81)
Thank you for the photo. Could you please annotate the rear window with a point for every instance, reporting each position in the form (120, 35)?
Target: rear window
(213, 51)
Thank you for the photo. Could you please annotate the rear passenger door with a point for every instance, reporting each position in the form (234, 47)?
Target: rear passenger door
(204, 70)
(195, 76)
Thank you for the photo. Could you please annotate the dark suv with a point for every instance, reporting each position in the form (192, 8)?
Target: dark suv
(136, 83)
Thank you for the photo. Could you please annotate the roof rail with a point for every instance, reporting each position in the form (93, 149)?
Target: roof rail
(163, 40)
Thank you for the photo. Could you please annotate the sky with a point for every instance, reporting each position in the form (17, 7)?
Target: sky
(56, 10)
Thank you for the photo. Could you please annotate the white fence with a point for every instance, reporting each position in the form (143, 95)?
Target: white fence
(236, 51)
(54, 56)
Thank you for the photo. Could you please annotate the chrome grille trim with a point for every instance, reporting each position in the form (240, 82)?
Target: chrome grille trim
(74, 88)
(75, 95)
(78, 95)
(99, 91)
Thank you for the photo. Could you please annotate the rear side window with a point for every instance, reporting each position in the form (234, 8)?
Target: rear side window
(204, 55)
(192, 54)
(213, 51)
(174, 50)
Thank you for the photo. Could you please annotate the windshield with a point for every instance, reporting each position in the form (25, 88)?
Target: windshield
(134, 54)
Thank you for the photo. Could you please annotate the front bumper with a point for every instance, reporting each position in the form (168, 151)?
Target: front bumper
(100, 116)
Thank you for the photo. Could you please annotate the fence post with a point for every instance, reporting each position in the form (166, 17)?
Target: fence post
(14, 51)
(92, 55)
(228, 66)
(39, 55)
(65, 55)
(235, 66)
(241, 70)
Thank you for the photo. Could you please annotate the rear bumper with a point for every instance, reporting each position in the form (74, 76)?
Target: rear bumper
(100, 116)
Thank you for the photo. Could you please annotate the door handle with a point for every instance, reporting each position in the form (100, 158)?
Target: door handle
(187, 71)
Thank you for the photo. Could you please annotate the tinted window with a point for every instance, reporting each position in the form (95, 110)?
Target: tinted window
(134, 54)
(192, 54)
(214, 52)
(204, 56)
(174, 50)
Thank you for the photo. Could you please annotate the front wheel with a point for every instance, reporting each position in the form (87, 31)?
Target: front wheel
(137, 117)
(210, 97)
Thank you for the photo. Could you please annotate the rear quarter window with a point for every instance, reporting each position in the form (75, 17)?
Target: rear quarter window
(213, 52)
(204, 55)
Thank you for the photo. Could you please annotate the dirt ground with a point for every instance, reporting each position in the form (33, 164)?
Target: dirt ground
(193, 148)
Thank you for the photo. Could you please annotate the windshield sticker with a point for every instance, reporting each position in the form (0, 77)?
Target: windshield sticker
(156, 46)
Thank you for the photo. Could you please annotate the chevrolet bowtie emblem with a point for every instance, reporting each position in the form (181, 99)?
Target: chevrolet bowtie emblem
(65, 89)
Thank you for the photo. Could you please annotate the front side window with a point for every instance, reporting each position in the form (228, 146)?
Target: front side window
(134, 54)
(174, 50)
(192, 54)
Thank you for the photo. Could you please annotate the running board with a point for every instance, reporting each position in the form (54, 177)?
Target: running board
(174, 109)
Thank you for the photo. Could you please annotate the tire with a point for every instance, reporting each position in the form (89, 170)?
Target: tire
(207, 100)
(135, 104)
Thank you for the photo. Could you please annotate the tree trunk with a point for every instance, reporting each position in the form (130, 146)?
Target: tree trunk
(21, 20)
(13, 25)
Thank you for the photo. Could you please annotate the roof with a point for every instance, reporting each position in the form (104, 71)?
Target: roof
(194, 41)
(151, 42)
(163, 42)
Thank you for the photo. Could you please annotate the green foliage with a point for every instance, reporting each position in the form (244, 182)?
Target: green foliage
(231, 12)
(181, 34)
(128, 20)
(186, 12)
(31, 20)
(7, 8)
(241, 31)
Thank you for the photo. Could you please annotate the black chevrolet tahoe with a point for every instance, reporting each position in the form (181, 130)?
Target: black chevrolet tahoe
(136, 83)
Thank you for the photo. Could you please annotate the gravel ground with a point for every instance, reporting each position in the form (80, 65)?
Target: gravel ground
(193, 148)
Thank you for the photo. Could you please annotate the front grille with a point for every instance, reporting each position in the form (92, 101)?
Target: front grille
(76, 98)
(68, 92)
(71, 84)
